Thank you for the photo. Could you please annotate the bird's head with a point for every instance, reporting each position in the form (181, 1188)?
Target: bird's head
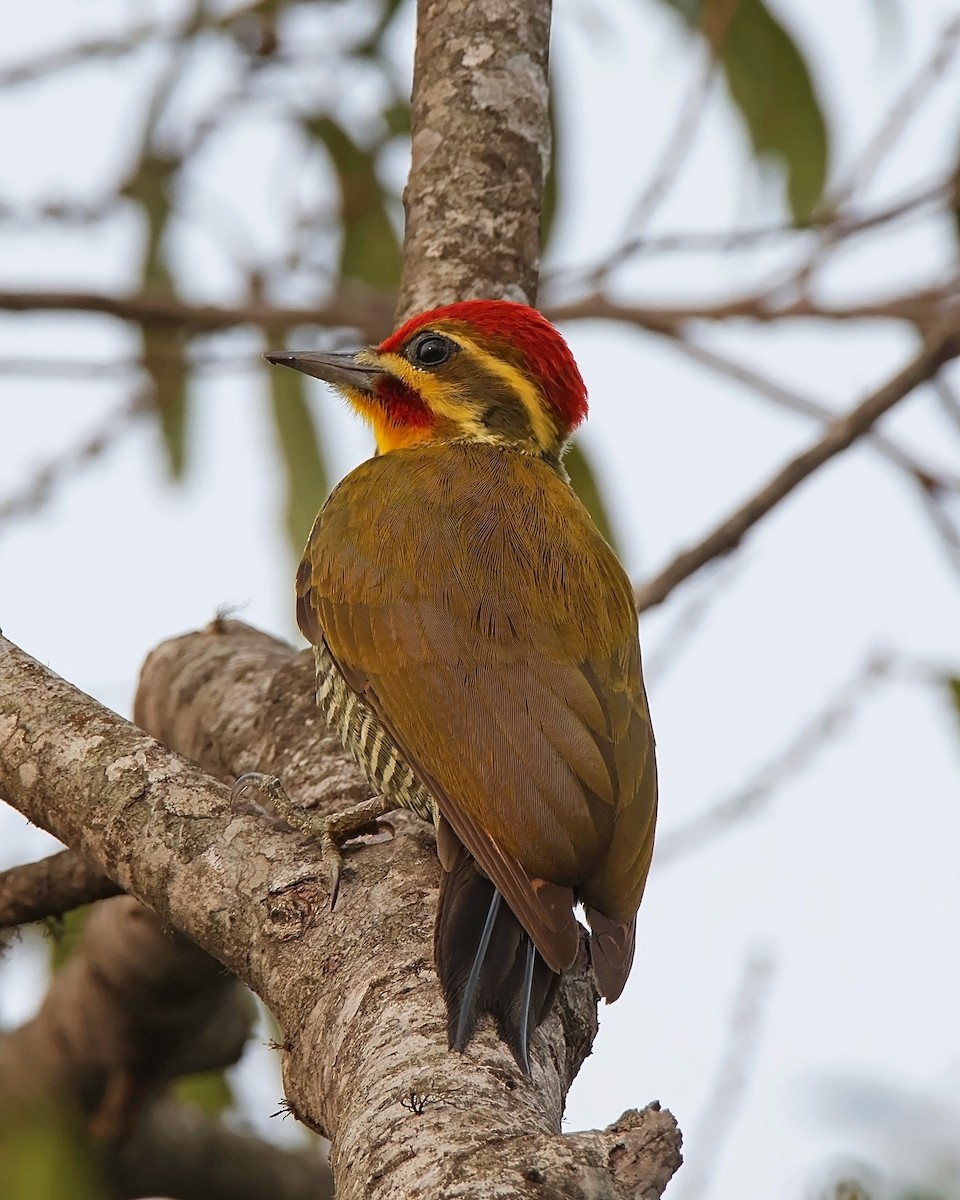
(480, 371)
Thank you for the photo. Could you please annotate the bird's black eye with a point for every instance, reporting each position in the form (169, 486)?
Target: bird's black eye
(430, 350)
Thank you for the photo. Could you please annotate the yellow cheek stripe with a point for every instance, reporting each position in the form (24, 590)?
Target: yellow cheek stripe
(527, 392)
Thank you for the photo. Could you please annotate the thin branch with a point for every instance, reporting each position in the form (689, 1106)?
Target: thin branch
(793, 401)
(67, 212)
(920, 308)
(736, 1068)
(844, 225)
(367, 311)
(899, 116)
(877, 149)
(656, 663)
(371, 313)
(81, 53)
(747, 801)
(683, 134)
(838, 436)
(41, 486)
(49, 888)
(949, 401)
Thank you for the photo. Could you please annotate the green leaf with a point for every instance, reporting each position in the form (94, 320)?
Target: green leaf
(370, 252)
(151, 187)
(207, 1090)
(64, 933)
(585, 484)
(953, 684)
(307, 482)
(164, 363)
(45, 1153)
(770, 84)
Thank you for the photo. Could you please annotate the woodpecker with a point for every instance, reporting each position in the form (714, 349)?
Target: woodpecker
(477, 651)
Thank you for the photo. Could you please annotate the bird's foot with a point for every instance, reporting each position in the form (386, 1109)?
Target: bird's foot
(330, 831)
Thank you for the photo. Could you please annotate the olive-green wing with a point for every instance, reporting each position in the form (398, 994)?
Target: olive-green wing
(495, 638)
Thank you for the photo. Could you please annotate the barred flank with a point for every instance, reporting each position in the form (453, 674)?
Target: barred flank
(361, 732)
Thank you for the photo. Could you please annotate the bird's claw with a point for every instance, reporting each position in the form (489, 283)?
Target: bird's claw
(330, 831)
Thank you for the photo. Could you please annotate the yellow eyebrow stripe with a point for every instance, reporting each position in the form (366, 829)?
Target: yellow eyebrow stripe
(527, 392)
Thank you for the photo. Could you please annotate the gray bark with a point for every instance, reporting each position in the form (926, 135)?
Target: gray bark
(354, 991)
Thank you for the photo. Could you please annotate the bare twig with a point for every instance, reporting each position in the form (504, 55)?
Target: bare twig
(844, 225)
(899, 116)
(728, 813)
(794, 401)
(949, 401)
(130, 40)
(369, 312)
(737, 1064)
(840, 434)
(79, 53)
(665, 653)
(50, 888)
(681, 139)
(68, 212)
(39, 489)
(920, 308)
(877, 149)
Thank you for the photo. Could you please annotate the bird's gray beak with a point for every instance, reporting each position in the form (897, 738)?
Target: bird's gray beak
(341, 370)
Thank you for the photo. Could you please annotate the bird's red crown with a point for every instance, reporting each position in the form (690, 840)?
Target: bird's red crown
(517, 332)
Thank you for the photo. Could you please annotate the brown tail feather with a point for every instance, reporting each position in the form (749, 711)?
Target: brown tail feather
(611, 952)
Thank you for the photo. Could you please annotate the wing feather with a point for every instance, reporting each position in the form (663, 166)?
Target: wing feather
(493, 632)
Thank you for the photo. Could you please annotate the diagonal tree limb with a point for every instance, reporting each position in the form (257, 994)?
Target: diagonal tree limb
(49, 888)
(179, 1153)
(838, 436)
(365, 1059)
(108, 1036)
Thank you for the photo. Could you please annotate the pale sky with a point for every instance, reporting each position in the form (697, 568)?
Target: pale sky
(847, 883)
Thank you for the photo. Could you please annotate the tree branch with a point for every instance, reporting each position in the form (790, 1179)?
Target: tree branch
(179, 1153)
(481, 147)
(49, 888)
(364, 310)
(107, 1037)
(838, 436)
(354, 991)
(922, 308)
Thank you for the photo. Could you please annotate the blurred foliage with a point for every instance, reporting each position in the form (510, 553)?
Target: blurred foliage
(64, 932)
(770, 85)
(584, 481)
(326, 71)
(953, 686)
(299, 444)
(370, 249)
(351, 239)
(207, 1090)
(45, 1154)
